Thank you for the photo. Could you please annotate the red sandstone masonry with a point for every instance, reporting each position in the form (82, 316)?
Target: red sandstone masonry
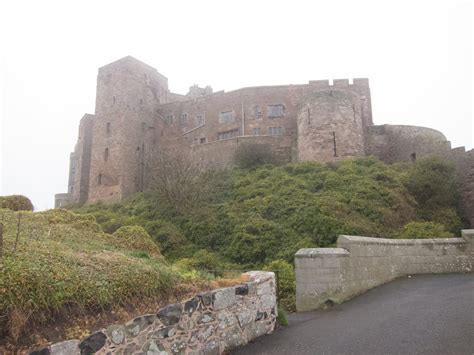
(136, 117)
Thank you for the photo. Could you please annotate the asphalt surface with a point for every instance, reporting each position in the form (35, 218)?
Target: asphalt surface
(426, 314)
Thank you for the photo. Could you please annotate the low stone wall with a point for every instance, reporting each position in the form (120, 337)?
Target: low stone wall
(210, 323)
(360, 263)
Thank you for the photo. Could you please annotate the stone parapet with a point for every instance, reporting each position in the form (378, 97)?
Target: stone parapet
(213, 322)
(360, 263)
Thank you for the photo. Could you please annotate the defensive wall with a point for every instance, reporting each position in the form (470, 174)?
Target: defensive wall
(360, 263)
(402, 143)
(136, 117)
(221, 153)
(214, 322)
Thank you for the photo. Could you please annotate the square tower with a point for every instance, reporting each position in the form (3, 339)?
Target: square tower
(128, 94)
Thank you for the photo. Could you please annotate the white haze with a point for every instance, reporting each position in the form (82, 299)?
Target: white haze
(416, 54)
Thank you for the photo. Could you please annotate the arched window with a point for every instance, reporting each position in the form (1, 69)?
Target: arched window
(106, 154)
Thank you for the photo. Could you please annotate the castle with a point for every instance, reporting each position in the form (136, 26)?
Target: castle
(136, 117)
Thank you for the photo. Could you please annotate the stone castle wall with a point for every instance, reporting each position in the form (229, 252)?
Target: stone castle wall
(80, 188)
(331, 126)
(137, 117)
(128, 93)
(210, 323)
(361, 263)
(221, 154)
(392, 143)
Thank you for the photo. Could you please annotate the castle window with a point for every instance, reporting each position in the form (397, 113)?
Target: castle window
(169, 119)
(106, 154)
(113, 100)
(199, 120)
(256, 131)
(107, 128)
(275, 111)
(228, 134)
(99, 179)
(413, 156)
(226, 116)
(184, 119)
(275, 131)
(141, 101)
(203, 140)
(257, 111)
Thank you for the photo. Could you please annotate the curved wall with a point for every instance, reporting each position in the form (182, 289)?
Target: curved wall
(392, 143)
(330, 126)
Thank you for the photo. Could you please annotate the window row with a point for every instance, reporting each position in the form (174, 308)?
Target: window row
(199, 119)
(273, 111)
(228, 134)
(272, 131)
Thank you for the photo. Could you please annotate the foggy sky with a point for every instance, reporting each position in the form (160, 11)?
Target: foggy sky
(417, 55)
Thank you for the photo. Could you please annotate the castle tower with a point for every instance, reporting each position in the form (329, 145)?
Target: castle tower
(128, 93)
(332, 121)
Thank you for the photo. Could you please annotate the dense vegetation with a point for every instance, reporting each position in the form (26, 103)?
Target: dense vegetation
(260, 216)
(257, 217)
(16, 203)
(58, 262)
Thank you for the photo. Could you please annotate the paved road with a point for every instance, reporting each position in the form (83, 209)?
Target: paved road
(429, 314)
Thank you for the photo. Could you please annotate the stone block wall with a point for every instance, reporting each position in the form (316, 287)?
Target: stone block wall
(395, 143)
(361, 263)
(210, 323)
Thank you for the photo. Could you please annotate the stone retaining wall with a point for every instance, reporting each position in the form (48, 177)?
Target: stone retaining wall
(360, 263)
(210, 323)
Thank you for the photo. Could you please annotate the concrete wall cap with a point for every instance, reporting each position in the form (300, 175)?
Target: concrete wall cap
(321, 252)
(350, 239)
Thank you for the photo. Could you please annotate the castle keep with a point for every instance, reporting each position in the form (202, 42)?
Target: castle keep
(137, 117)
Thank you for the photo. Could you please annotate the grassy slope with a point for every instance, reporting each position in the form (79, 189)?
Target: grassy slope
(268, 213)
(64, 261)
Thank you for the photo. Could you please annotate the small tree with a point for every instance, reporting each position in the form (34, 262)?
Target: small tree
(175, 180)
(249, 156)
(423, 230)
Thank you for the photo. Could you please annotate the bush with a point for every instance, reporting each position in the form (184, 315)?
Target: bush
(16, 203)
(286, 283)
(282, 317)
(55, 267)
(250, 156)
(166, 235)
(135, 238)
(203, 260)
(424, 230)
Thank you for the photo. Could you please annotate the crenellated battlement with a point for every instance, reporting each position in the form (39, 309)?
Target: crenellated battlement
(358, 82)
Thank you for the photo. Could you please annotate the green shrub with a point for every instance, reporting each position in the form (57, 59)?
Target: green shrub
(135, 238)
(16, 203)
(252, 155)
(282, 317)
(424, 230)
(166, 235)
(55, 265)
(286, 283)
(203, 260)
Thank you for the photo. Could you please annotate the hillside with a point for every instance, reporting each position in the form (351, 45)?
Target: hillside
(59, 266)
(249, 217)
